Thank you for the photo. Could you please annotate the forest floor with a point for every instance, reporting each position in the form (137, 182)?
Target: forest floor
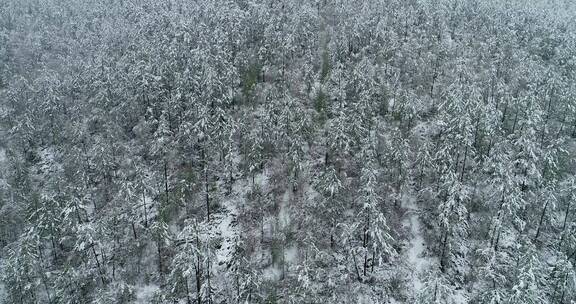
(226, 227)
(414, 255)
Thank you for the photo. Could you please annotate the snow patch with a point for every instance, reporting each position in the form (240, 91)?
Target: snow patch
(272, 273)
(262, 180)
(284, 214)
(417, 245)
(291, 255)
(459, 297)
(145, 293)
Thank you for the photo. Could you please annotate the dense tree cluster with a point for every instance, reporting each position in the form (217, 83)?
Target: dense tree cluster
(242, 151)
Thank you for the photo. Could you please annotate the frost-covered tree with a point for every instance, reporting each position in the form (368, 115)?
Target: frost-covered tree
(322, 150)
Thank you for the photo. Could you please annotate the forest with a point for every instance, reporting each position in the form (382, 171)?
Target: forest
(297, 151)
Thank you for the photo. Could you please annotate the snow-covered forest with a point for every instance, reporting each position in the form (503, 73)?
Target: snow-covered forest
(302, 151)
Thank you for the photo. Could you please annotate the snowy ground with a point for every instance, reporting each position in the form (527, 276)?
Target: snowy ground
(145, 293)
(415, 255)
(416, 246)
(227, 226)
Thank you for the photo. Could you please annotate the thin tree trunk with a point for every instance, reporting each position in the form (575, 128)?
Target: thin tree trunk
(546, 121)
(54, 249)
(443, 253)
(365, 244)
(562, 123)
(332, 236)
(98, 264)
(166, 182)
(145, 209)
(457, 162)
(497, 240)
(541, 220)
(464, 164)
(565, 221)
(504, 112)
(208, 281)
(134, 230)
(515, 122)
(159, 247)
(207, 194)
(43, 276)
(373, 260)
(356, 267)
(434, 75)
(476, 131)
(198, 282)
(188, 300)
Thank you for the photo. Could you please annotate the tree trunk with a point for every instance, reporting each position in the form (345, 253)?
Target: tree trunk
(497, 240)
(145, 210)
(464, 164)
(198, 281)
(435, 291)
(356, 267)
(207, 194)
(504, 113)
(43, 275)
(541, 220)
(159, 247)
(565, 221)
(476, 131)
(365, 243)
(208, 281)
(54, 249)
(515, 122)
(166, 182)
(443, 253)
(188, 300)
(134, 230)
(457, 162)
(546, 121)
(373, 260)
(434, 75)
(562, 123)
(98, 265)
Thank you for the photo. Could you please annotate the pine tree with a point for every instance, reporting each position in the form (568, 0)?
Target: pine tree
(528, 287)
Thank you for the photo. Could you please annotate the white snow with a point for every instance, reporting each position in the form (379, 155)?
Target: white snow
(272, 273)
(47, 160)
(262, 180)
(226, 228)
(3, 182)
(283, 213)
(291, 254)
(145, 293)
(228, 232)
(459, 297)
(415, 255)
(391, 104)
(416, 248)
